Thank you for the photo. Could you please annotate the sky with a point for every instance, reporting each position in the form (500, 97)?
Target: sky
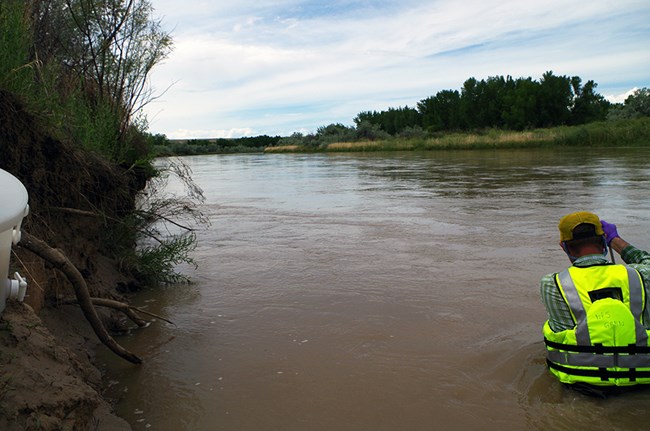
(275, 67)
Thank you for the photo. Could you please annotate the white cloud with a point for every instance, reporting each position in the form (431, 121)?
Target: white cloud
(620, 98)
(278, 66)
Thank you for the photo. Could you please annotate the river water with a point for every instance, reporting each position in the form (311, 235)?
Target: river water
(394, 291)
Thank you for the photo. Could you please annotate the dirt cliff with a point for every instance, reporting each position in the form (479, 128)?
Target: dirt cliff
(47, 380)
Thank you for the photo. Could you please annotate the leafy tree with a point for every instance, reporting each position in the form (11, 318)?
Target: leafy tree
(493, 93)
(370, 131)
(442, 111)
(636, 105)
(588, 105)
(555, 99)
(412, 133)
(469, 105)
(639, 102)
(335, 133)
(397, 119)
(296, 138)
(157, 139)
(102, 53)
(391, 121)
(521, 105)
(371, 117)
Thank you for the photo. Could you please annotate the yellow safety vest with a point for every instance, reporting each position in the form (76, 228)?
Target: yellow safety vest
(609, 344)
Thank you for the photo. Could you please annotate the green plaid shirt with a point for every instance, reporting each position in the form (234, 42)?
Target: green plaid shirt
(559, 316)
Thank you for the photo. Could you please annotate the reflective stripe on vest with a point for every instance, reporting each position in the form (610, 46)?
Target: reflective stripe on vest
(578, 308)
(598, 360)
(636, 305)
(601, 373)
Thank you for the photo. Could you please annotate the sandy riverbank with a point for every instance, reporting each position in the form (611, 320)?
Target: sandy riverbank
(49, 382)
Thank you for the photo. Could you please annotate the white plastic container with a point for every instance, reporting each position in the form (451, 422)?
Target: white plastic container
(13, 208)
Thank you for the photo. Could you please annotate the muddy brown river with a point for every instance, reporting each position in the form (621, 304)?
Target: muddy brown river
(394, 291)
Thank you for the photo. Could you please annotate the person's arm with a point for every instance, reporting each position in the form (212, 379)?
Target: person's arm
(618, 244)
(628, 252)
(631, 254)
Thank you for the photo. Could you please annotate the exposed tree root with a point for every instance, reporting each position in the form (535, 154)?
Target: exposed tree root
(130, 311)
(57, 259)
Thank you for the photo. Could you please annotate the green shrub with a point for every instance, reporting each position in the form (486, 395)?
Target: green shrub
(157, 264)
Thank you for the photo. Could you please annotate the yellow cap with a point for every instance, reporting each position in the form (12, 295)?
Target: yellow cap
(570, 221)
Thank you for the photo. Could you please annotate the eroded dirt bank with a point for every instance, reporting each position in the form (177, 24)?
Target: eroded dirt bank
(47, 379)
(46, 385)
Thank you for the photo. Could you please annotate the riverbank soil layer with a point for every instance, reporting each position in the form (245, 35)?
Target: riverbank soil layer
(47, 380)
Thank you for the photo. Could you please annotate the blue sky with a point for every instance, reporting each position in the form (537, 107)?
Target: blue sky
(252, 67)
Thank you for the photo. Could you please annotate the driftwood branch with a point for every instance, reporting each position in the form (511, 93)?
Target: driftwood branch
(63, 264)
(130, 311)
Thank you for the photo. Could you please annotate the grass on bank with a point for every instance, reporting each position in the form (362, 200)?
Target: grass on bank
(284, 149)
(635, 132)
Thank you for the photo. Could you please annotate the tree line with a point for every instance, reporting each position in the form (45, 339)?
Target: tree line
(498, 102)
(495, 103)
(187, 147)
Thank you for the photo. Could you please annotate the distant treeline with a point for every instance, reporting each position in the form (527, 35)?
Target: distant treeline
(188, 147)
(499, 102)
(495, 103)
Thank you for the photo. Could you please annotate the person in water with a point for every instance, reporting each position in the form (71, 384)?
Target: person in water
(597, 333)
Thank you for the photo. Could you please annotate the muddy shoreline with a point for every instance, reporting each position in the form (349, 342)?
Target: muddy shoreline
(48, 381)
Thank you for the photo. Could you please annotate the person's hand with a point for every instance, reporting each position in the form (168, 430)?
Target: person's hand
(610, 231)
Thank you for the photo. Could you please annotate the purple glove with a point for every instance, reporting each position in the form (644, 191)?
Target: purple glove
(610, 231)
